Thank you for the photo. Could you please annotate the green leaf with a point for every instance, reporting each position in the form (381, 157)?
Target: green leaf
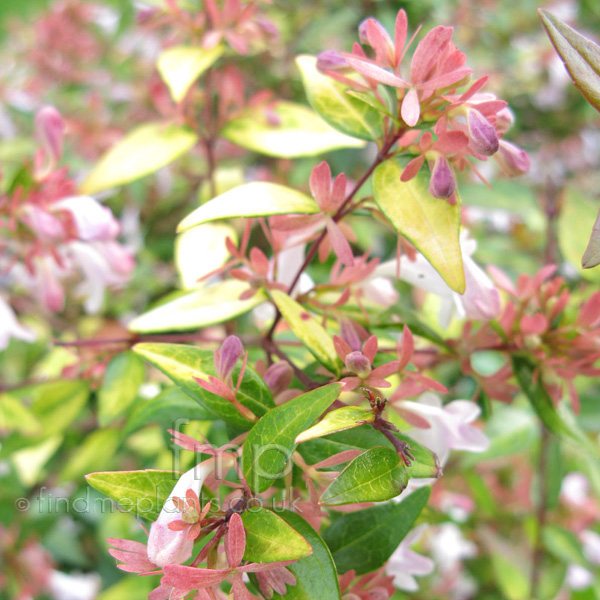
(204, 306)
(15, 416)
(308, 330)
(165, 408)
(142, 151)
(425, 463)
(56, 404)
(563, 544)
(560, 423)
(364, 540)
(207, 241)
(315, 574)
(182, 363)
(580, 55)
(95, 452)
(124, 375)
(255, 199)
(329, 98)
(510, 576)
(143, 492)
(298, 132)
(431, 224)
(339, 419)
(269, 538)
(180, 66)
(374, 476)
(270, 443)
(29, 462)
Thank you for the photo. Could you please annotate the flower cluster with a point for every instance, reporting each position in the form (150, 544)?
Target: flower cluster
(437, 124)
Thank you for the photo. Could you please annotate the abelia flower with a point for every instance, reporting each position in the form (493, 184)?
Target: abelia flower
(373, 586)
(196, 578)
(10, 326)
(405, 564)
(173, 546)
(450, 425)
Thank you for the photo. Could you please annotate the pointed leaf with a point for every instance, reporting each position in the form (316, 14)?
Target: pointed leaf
(29, 462)
(95, 452)
(204, 306)
(591, 256)
(124, 375)
(270, 443)
(180, 66)
(308, 330)
(298, 132)
(339, 419)
(329, 98)
(431, 224)
(374, 476)
(364, 540)
(580, 55)
(270, 539)
(15, 416)
(207, 241)
(143, 492)
(425, 464)
(255, 199)
(142, 151)
(182, 363)
(315, 574)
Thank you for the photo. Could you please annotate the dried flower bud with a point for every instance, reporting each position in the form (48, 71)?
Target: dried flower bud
(441, 183)
(278, 377)
(49, 129)
(227, 356)
(512, 160)
(483, 138)
(357, 362)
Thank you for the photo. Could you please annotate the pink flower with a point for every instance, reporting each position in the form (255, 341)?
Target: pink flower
(404, 564)
(450, 425)
(10, 327)
(193, 578)
(91, 220)
(49, 131)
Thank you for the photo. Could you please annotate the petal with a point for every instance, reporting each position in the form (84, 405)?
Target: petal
(410, 110)
(235, 542)
(320, 185)
(192, 578)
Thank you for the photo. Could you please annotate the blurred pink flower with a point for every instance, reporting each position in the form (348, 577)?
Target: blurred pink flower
(404, 564)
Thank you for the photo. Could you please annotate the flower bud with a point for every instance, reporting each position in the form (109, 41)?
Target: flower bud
(483, 138)
(441, 183)
(167, 546)
(278, 377)
(49, 129)
(331, 61)
(504, 120)
(512, 159)
(357, 362)
(227, 356)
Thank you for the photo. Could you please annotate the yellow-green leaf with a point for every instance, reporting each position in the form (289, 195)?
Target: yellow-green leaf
(580, 55)
(256, 199)
(206, 241)
(298, 132)
(308, 330)
(142, 151)
(180, 66)
(198, 308)
(329, 98)
(339, 419)
(431, 224)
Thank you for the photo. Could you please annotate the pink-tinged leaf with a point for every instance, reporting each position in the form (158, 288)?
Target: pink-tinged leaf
(192, 578)
(128, 545)
(447, 79)
(380, 42)
(474, 88)
(178, 525)
(405, 348)
(400, 31)
(451, 142)
(428, 52)
(410, 110)
(339, 191)
(339, 243)
(337, 459)
(376, 73)
(534, 324)
(235, 542)
(412, 168)
(240, 592)
(589, 314)
(580, 55)
(320, 185)
(258, 567)
(341, 347)
(370, 349)
(260, 263)
(591, 256)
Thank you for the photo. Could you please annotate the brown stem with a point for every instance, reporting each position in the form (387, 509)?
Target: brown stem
(382, 155)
